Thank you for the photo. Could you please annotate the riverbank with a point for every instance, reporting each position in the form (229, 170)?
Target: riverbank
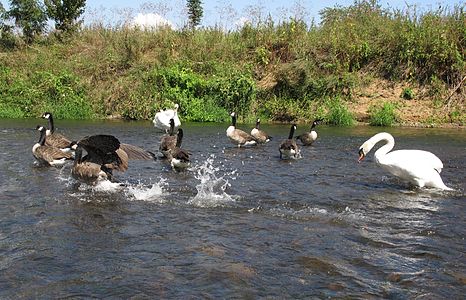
(361, 64)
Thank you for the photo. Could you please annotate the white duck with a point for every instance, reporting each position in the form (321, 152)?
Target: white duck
(417, 167)
(162, 118)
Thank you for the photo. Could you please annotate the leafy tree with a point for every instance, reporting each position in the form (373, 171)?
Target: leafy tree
(29, 15)
(6, 33)
(65, 13)
(195, 12)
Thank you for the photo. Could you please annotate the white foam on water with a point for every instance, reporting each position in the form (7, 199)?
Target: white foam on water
(107, 186)
(299, 214)
(211, 191)
(154, 193)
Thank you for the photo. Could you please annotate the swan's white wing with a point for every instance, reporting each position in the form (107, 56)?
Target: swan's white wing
(177, 121)
(412, 165)
(416, 158)
(162, 119)
(416, 166)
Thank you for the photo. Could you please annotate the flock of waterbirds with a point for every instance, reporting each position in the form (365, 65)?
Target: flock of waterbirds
(105, 153)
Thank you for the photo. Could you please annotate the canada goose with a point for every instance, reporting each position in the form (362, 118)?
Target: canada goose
(162, 118)
(418, 167)
(289, 148)
(55, 139)
(103, 156)
(237, 136)
(308, 138)
(48, 155)
(260, 135)
(105, 153)
(168, 141)
(180, 157)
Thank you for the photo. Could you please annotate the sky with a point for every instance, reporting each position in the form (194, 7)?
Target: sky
(225, 13)
(229, 13)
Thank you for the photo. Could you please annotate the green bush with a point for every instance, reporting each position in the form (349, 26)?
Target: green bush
(62, 95)
(10, 112)
(383, 115)
(30, 96)
(338, 114)
(206, 100)
(407, 94)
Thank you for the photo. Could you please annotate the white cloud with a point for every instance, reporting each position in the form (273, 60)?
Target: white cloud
(150, 21)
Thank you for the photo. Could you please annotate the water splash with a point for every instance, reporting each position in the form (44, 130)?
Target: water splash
(107, 186)
(211, 189)
(154, 193)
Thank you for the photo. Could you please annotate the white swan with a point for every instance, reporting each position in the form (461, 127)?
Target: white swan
(162, 118)
(417, 167)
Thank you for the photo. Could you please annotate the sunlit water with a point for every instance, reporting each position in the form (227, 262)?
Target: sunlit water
(239, 223)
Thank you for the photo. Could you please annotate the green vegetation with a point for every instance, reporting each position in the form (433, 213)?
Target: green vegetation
(384, 115)
(338, 114)
(286, 71)
(407, 94)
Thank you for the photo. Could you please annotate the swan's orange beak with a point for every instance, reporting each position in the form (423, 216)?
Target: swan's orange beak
(361, 155)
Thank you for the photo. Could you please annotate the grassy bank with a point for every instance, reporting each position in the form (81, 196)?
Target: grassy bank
(280, 72)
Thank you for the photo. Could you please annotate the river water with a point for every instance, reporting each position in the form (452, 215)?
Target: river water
(240, 223)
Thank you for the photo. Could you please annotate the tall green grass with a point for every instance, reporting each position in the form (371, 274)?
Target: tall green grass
(384, 115)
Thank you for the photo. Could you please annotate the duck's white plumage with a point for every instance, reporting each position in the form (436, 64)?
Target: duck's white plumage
(418, 167)
(162, 118)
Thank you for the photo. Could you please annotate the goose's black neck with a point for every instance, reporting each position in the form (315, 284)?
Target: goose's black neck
(291, 132)
(172, 127)
(78, 154)
(233, 120)
(258, 124)
(42, 138)
(51, 125)
(179, 138)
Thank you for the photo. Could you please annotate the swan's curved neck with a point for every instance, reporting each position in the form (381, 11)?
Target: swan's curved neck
(382, 151)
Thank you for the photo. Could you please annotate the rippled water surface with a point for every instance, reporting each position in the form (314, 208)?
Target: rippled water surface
(239, 224)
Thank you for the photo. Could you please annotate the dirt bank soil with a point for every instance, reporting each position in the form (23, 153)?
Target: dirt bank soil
(420, 111)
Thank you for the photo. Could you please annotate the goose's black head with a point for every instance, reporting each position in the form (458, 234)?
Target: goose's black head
(73, 145)
(46, 115)
(316, 122)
